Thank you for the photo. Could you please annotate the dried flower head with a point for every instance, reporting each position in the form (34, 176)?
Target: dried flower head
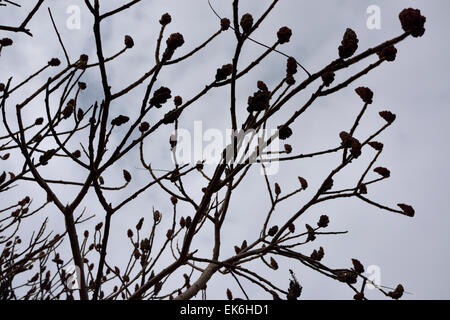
(287, 148)
(284, 132)
(284, 35)
(382, 171)
(144, 126)
(326, 185)
(262, 86)
(2, 87)
(397, 293)
(119, 120)
(5, 42)
(76, 154)
(82, 85)
(178, 101)
(272, 231)
(349, 44)
(412, 22)
(84, 58)
(54, 62)
(388, 116)
(246, 22)
(165, 19)
(39, 121)
(323, 221)
(290, 80)
(224, 72)
(318, 254)
(359, 268)
(160, 96)
(328, 78)
(388, 53)
(376, 145)
(175, 41)
(295, 289)
(365, 94)
(259, 101)
(224, 24)
(291, 66)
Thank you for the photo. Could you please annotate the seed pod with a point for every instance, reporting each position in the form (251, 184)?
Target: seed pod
(139, 224)
(188, 222)
(126, 175)
(156, 215)
(229, 295)
(129, 42)
(407, 209)
(384, 172)
(277, 189)
(273, 263)
(303, 183)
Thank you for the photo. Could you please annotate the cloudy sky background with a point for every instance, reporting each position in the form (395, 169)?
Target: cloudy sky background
(411, 251)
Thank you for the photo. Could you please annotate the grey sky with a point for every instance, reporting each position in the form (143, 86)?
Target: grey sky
(411, 251)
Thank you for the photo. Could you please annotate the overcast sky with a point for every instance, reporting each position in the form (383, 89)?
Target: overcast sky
(411, 251)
